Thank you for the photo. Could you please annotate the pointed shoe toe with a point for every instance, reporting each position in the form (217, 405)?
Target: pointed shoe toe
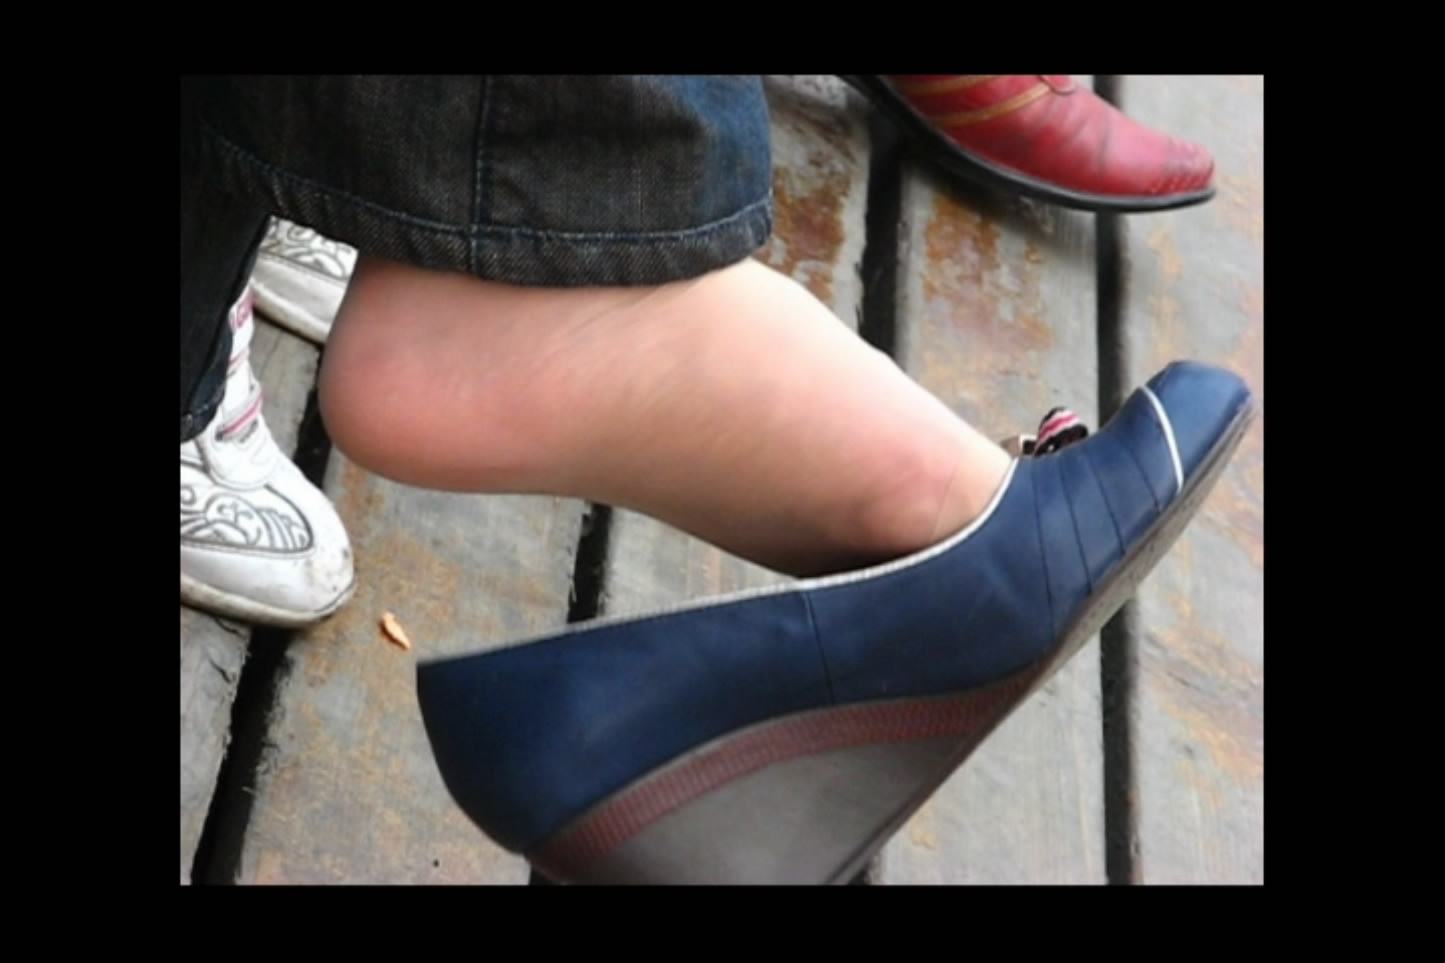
(783, 735)
(1044, 136)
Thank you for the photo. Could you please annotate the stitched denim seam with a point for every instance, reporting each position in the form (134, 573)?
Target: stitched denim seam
(481, 182)
(493, 232)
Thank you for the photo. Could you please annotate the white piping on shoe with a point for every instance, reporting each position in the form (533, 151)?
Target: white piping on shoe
(782, 588)
(1168, 436)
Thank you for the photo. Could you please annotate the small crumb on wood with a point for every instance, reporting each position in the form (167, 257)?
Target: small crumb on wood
(394, 631)
(922, 837)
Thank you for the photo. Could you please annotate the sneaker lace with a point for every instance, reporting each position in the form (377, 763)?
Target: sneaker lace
(250, 410)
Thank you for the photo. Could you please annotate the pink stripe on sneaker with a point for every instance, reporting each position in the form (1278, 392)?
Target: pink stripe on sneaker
(242, 309)
(240, 421)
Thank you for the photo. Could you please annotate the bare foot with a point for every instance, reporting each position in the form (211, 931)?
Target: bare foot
(735, 407)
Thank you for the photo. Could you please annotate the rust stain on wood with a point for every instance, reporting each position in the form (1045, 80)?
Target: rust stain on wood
(984, 316)
(997, 303)
(808, 225)
(961, 250)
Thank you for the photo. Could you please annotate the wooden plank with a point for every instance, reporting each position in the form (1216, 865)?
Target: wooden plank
(820, 186)
(996, 311)
(1195, 289)
(212, 650)
(348, 791)
(212, 654)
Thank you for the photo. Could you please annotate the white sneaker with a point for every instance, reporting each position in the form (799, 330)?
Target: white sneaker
(259, 542)
(300, 278)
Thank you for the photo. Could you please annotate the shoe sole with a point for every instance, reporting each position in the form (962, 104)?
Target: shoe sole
(728, 812)
(288, 314)
(215, 602)
(944, 153)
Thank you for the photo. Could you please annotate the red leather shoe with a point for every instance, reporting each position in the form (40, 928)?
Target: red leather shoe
(1045, 136)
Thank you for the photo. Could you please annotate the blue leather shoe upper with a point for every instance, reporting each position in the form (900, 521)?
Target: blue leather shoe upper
(528, 738)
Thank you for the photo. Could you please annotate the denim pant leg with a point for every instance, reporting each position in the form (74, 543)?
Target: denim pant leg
(555, 181)
(220, 234)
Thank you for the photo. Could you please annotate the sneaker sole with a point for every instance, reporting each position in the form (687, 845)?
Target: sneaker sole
(728, 811)
(215, 602)
(288, 314)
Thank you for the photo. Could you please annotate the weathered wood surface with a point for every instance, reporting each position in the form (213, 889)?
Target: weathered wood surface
(348, 791)
(820, 185)
(213, 651)
(996, 315)
(820, 188)
(1195, 290)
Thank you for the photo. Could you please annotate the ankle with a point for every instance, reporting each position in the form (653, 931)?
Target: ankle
(925, 495)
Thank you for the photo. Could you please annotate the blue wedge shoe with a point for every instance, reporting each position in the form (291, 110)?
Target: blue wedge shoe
(783, 735)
